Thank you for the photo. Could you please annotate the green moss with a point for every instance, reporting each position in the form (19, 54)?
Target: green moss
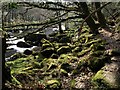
(96, 63)
(100, 81)
(47, 52)
(44, 46)
(63, 50)
(53, 84)
(77, 49)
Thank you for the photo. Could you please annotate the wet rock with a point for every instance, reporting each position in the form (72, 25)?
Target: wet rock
(47, 52)
(10, 52)
(34, 39)
(23, 45)
(27, 52)
(63, 50)
(15, 56)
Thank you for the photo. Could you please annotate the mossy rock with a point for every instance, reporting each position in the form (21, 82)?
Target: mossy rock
(97, 53)
(96, 63)
(54, 56)
(62, 44)
(34, 39)
(77, 49)
(99, 81)
(44, 46)
(15, 56)
(53, 84)
(63, 72)
(66, 67)
(47, 52)
(65, 40)
(98, 46)
(114, 52)
(63, 50)
(28, 52)
(53, 34)
(59, 36)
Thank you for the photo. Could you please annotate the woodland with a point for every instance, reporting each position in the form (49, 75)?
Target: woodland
(67, 45)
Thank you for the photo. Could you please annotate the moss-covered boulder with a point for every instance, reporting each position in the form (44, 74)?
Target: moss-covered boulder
(66, 67)
(46, 45)
(113, 52)
(63, 50)
(47, 52)
(96, 63)
(77, 49)
(34, 39)
(99, 81)
(53, 84)
(59, 36)
(108, 76)
(27, 52)
(54, 56)
(65, 40)
(15, 56)
(53, 34)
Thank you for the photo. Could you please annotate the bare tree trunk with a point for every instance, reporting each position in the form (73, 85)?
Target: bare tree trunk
(100, 16)
(90, 22)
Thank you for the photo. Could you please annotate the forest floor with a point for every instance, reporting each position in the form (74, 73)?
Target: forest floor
(82, 68)
(113, 42)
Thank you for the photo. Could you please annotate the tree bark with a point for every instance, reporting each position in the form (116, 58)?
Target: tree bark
(90, 22)
(100, 16)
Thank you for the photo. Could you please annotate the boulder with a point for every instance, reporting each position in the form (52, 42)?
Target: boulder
(47, 52)
(34, 39)
(46, 45)
(53, 84)
(15, 56)
(10, 52)
(65, 40)
(77, 49)
(108, 77)
(22, 44)
(27, 52)
(96, 63)
(63, 50)
(54, 56)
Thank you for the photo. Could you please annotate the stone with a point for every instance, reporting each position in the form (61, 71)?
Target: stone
(65, 40)
(53, 84)
(108, 76)
(44, 46)
(77, 49)
(22, 44)
(96, 63)
(47, 52)
(34, 39)
(54, 56)
(27, 52)
(63, 50)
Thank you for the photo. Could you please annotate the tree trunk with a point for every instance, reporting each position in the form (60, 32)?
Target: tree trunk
(90, 22)
(100, 16)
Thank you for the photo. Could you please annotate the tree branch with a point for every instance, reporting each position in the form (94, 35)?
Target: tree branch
(90, 15)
